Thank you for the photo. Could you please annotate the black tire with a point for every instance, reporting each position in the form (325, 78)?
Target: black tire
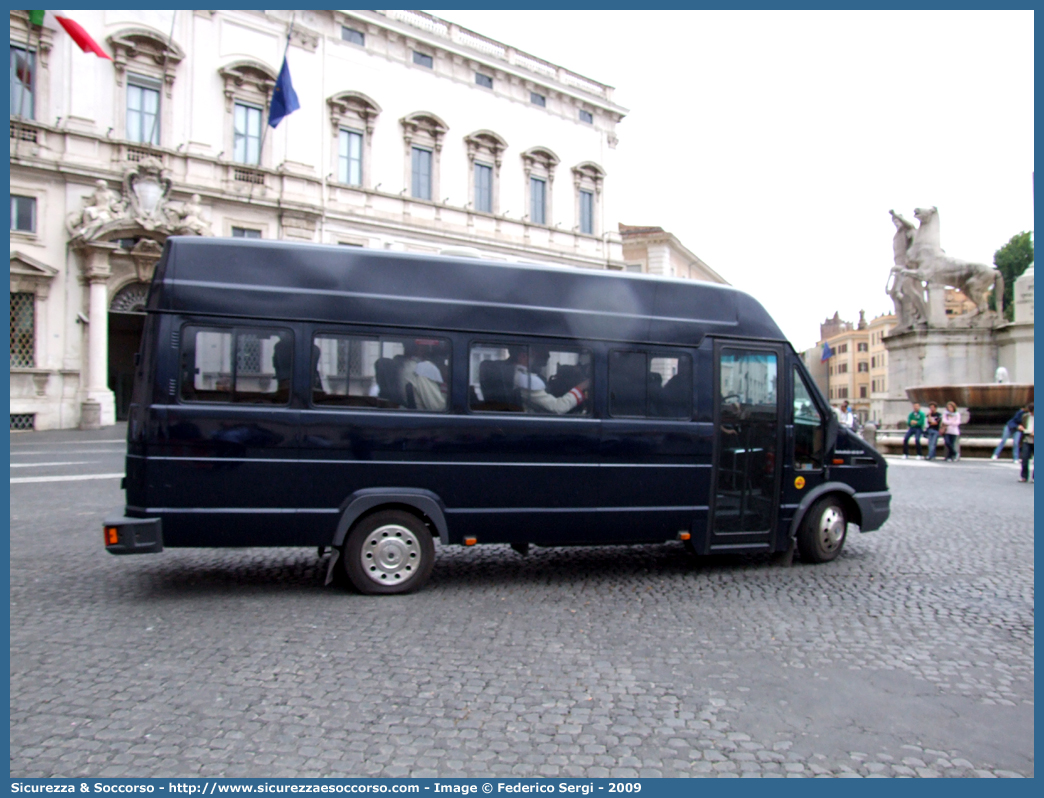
(388, 552)
(823, 530)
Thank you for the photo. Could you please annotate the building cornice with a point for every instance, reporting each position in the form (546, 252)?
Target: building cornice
(456, 40)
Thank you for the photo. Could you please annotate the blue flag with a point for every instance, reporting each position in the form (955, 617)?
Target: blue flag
(827, 353)
(284, 98)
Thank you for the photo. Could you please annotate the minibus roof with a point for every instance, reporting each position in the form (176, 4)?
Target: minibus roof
(338, 284)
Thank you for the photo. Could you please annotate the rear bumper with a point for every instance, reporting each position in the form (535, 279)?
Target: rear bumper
(125, 535)
(874, 509)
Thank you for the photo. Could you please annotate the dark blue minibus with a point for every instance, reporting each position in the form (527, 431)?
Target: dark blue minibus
(369, 402)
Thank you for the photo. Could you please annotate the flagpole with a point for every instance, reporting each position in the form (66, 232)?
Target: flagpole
(268, 102)
(159, 105)
(28, 69)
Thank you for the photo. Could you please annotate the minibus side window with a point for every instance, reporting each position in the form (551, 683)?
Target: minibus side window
(808, 428)
(390, 372)
(644, 385)
(241, 365)
(535, 379)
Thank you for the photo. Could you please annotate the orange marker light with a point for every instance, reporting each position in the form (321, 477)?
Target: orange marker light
(112, 536)
(684, 536)
(470, 541)
(838, 461)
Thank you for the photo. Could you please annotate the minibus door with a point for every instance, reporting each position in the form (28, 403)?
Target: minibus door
(804, 466)
(747, 450)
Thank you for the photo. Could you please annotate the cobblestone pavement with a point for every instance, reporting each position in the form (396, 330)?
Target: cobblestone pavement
(912, 655)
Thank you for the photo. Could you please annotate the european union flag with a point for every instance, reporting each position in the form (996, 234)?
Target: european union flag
(827, 353)
(284, 98)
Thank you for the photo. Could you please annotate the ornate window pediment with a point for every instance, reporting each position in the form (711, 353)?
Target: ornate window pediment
(485, 142)
(540, 159)
(354, 109)
(424, 127)
(248, 78)
(30, 276)
(149, 47)
(588, 171)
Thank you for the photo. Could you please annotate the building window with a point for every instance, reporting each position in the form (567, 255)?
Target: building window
(537, 200)
(352, 35)
(587, 212)
(862, 392)
(23, 73)
(539, 167)
(538, 99)
(246, 144)
(245, 232)
(349, 160)
(586, 117)
(483, 188)
(421, 59)
(484, 160)
(841, 349)
(587, 179)
(352, 115)
(842, 368)
(863, 367)
(143, 101)
(483, 80)
(23, 213)
(422, 136)
(862, 347)
(421, 180)
(23, 330)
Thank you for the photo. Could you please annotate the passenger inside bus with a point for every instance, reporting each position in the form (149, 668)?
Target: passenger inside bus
(530, 362)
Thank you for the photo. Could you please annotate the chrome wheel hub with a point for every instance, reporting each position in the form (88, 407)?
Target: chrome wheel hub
(390, 555)
(831, 528)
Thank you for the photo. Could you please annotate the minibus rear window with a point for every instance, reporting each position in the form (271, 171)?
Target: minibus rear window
(391, 372)
(234, 364)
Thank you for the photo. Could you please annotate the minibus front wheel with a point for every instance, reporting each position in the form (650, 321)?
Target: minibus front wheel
(822, 533)
(390, 551)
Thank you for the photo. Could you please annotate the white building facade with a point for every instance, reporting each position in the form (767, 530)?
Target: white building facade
(413, 134)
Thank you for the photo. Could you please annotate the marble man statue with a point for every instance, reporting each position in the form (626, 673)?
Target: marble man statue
(190, 217)
(906, 291)
(100, 207)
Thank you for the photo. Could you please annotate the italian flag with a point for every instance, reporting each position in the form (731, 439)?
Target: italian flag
(71, 26)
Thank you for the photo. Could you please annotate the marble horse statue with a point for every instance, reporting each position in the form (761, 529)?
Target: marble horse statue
(927, 261)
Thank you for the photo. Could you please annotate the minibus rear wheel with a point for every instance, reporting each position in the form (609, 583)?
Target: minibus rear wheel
(390, 551)
(822, 533)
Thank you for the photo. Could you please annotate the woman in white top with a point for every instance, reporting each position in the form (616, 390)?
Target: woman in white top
(951, 427)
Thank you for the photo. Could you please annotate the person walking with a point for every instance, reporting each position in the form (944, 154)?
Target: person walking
(915, 426)
(1011, 430)
(1026, 428)
(934, 422)
(951, 427)
(847, 417)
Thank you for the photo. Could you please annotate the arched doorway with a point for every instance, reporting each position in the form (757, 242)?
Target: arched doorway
(126, 322)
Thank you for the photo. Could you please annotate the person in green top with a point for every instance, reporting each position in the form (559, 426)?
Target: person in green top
(915, 422)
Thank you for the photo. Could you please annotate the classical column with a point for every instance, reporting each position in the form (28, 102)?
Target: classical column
(98, 408)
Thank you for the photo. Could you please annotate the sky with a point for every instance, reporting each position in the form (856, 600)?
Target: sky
(774, 143)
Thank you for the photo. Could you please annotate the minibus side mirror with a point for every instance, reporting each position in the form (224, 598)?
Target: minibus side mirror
(831, 432)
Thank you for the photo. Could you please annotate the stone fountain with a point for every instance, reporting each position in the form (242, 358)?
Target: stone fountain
(977, 359)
